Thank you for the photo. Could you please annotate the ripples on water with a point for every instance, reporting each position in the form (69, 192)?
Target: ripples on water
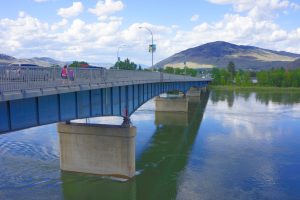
(245, 146)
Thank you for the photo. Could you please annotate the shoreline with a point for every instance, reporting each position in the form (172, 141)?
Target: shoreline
(255, 88)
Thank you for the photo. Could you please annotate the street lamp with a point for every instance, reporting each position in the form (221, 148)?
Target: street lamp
(118, 58)
(152, 48)
(185, 65)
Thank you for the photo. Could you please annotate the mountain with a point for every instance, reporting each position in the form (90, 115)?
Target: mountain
(5, 59)
(293, 65)
(218, 54)
(40, 61)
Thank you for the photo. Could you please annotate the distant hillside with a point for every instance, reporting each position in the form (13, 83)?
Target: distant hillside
(218, 54)
(42, 61)
(5, 59)
(293, 65)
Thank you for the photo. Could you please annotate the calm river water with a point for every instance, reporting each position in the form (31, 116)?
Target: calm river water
(231, 145)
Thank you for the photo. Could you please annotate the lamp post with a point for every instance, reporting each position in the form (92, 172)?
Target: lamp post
(152, 45)
(118, 58)
(185, 65)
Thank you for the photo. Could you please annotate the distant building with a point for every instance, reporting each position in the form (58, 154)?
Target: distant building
(254, 80)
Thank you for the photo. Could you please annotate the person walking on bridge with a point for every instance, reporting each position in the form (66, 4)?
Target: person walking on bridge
(64, 73)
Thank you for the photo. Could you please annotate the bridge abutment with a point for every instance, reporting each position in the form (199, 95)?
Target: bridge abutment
(98, 149)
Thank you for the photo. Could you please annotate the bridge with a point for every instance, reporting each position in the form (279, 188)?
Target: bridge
(37, 96)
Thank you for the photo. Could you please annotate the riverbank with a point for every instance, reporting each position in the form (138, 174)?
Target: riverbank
(255, 88)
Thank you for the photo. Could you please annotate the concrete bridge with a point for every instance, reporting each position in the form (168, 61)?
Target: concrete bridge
(32, 97)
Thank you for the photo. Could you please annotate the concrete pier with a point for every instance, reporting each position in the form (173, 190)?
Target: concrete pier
(171, 104)
(97, 149)
(194, 92)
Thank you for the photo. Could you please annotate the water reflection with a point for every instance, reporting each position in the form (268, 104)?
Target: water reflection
(223, 95)
(249, 151)
(163, 162)
(247, 147)
(82, 186)
(262, 96)
(160, 164)
(283, 98)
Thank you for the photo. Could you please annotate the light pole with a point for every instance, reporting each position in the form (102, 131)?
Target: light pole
(185, 65)
(118, 58)
(152, 45)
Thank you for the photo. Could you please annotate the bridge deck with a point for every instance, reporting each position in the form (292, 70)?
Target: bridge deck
(21, 82)
(34, 97)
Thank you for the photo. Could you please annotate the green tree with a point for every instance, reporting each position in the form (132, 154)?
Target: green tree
(78, 64)
(216, 76)
(169, 70)
(178, 71)
(125, 65)
(231, 70)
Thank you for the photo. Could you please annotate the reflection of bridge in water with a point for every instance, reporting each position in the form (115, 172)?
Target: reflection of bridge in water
(166, 156)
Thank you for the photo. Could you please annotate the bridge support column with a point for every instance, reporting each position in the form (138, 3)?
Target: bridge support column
(98, 149)
(194, 92)
(171, 104)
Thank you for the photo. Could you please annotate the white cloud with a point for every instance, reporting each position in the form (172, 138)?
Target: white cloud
(39, 1)
(63, 23)
(70, 39)
(194, 18)
(262, 9)
(106, 8)
(73, 11)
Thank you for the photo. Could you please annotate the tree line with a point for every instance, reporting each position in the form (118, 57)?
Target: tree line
(180, 71)
(128, 65)
(279, 78)
(273, 77)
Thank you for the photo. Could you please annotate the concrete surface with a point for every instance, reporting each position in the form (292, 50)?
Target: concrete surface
(97, 149)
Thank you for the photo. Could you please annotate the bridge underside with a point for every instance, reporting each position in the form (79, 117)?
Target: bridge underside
(113, 101)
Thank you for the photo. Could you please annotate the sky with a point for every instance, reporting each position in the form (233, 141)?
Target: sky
(97, 31)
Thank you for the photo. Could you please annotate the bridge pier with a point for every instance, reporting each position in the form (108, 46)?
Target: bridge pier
(179, 104)
(98, 149)
(194, 92)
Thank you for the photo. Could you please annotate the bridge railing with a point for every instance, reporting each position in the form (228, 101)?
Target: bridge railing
(21, 78)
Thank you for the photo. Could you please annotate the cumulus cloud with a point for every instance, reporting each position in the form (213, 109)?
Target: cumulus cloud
(70, 39)
(194, 18)
(73, 11)
(63, 23)
(258, 9)
(240, 30)
(106, 8)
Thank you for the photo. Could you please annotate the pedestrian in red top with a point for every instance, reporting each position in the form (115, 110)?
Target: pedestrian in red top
(64, 73)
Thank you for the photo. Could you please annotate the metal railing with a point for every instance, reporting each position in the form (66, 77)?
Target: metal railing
(22, 78)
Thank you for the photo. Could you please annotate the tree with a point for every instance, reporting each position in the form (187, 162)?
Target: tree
(216, 76)
(231, 69)
(169, 70)
(126, 65)
(79, 64)
(179, 71)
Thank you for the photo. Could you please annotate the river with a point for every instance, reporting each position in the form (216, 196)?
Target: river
(230, 145)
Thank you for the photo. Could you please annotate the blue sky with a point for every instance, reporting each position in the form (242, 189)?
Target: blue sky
(81, 30)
